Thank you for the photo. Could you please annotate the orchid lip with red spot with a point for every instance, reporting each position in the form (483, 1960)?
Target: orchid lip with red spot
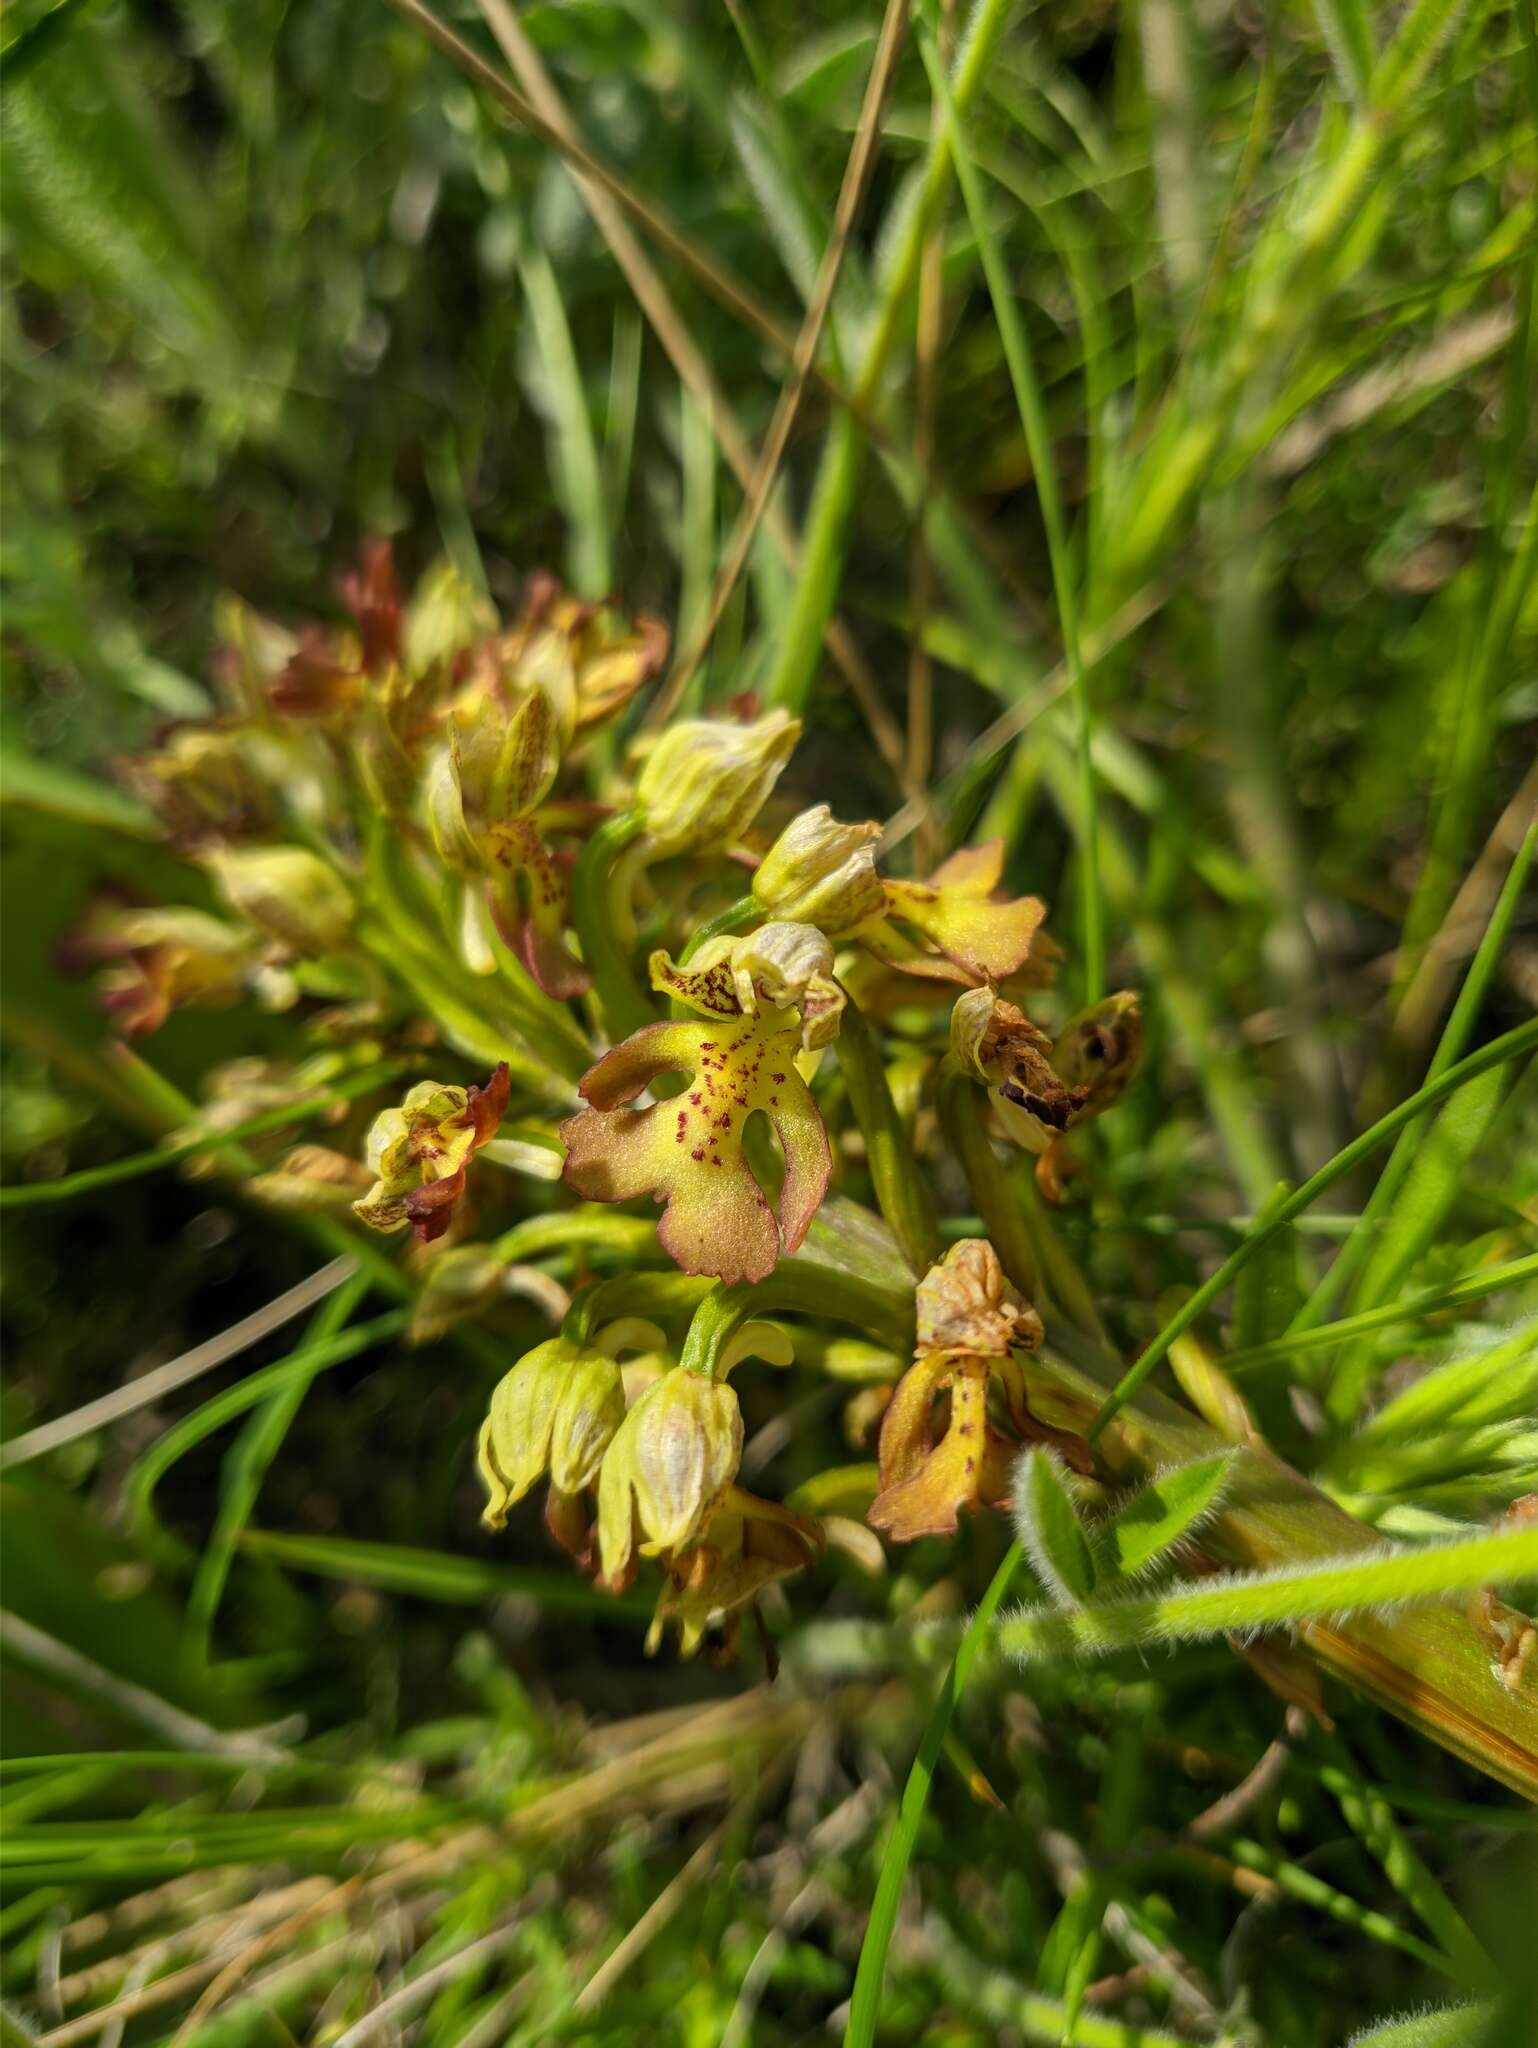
(689, 1154)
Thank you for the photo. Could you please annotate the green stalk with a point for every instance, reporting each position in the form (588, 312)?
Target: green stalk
(1029, 1249)
(1472, 1287)
(650, 1295)
(961, 1106)
(621, 1002)
(800, 1286)
(92, 1177)
(865, 2005)
(1320, 1590)
(1460, 1023)
(737, 917)
(1038, 441)
(1511, 1046)
(901, 1189)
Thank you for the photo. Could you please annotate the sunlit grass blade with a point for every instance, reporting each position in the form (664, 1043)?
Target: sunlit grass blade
(1512, 1045)
(1365, 1240)
(1476, 1286)
(1033, 420)
(870, 1973)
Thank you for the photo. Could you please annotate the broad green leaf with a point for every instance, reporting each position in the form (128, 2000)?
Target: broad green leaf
(1159, 1516)
(1049, 1527)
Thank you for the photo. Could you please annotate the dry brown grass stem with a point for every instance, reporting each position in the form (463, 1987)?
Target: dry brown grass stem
(612, 207)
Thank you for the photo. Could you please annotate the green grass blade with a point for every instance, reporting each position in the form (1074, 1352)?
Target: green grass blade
(865, 2003)
(1476, 1286)
(1512, 1045)
(556, 379)
(1360, 1245)
(1038, 439)
(186, 1435)
(440, 1575)
(246, 1467)
(1486, 1386)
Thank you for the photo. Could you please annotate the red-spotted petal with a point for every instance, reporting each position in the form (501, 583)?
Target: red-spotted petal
(687, 1152)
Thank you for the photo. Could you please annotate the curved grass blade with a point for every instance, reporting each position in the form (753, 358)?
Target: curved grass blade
(1510, 1046)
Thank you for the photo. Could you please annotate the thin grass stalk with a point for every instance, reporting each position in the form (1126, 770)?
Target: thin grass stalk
(1511, 1046)
(1038, 439)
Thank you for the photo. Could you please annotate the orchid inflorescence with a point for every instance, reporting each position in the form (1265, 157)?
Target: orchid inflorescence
(675, 994)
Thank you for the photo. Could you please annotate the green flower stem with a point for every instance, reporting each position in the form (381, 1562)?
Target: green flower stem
(1030, 1250)
(802, 1286)
(961, 1107)
(1511, 1046)
(737, 917)
(1322, 1590)
(652, 1295)
(416, 946)
(590, 1228)
(620, 1000)
(71, 1184)
(901, 1189)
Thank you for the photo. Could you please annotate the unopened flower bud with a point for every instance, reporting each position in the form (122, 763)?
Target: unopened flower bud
(705, 779)
(670, 1462)
(556, 1411)
(822, 873)
(203, 781)
(287, 892)
(446, 615)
